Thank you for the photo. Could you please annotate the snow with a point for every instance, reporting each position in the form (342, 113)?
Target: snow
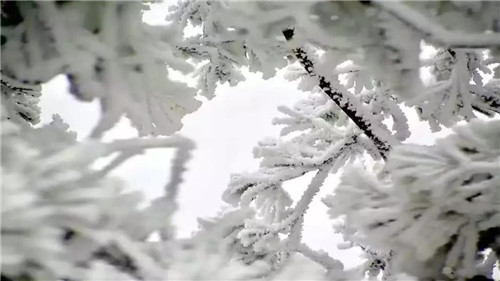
(437, 203)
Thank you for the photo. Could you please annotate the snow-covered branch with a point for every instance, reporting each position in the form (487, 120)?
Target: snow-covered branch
(348, 103)
(20, 101)
(430, 211)
(89, 51)
(434, 32)
(320, 257)
(148, 143)
(440, 209)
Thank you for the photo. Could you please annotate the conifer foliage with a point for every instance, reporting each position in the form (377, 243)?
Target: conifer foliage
(421, 212)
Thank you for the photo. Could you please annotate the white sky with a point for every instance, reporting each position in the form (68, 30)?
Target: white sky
(225, 130)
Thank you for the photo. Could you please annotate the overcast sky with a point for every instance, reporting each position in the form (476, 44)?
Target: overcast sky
(225, 130)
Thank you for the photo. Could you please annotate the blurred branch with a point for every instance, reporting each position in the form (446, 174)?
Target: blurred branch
(434, 32)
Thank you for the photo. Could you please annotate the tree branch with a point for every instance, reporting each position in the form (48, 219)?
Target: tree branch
(434, 32)
(321, 258)
(341, 99)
